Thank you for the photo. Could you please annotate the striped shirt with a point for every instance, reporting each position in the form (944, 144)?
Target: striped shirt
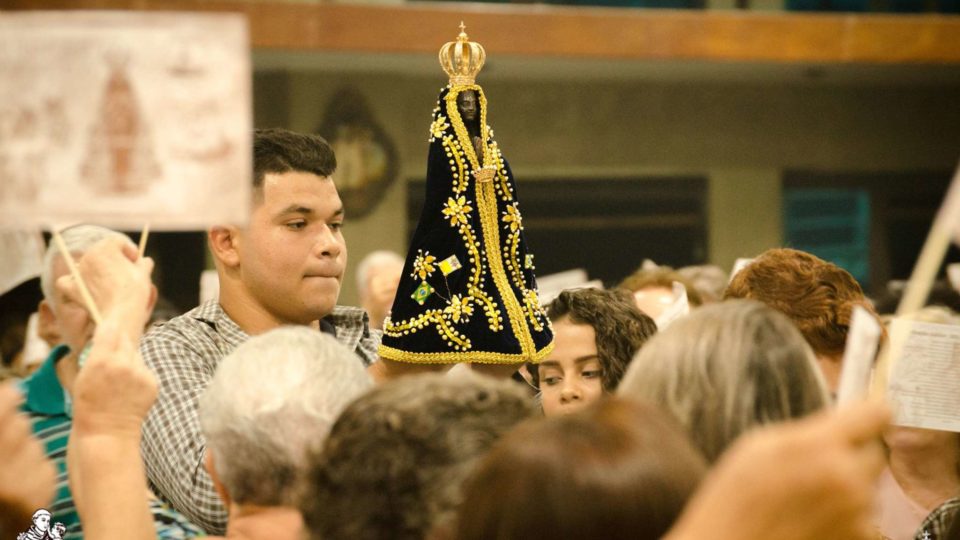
(45, 402)
(48, 407)
(184, 353)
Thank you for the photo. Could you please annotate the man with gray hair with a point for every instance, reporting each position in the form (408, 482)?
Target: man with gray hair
(46, 392)
(69, 318)
(50, 392)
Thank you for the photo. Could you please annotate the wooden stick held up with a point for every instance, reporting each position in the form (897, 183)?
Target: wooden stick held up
(143, 239)
(81, 285)
(942, 232)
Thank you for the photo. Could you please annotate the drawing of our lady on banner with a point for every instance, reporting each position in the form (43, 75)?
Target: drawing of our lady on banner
(152, 115)
(120, 157)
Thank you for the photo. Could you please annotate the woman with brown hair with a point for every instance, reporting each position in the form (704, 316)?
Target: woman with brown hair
(596, 334)
(818, 296)
(618, 470)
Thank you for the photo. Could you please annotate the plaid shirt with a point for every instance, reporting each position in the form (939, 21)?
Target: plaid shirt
(184, 353)
(937, 524)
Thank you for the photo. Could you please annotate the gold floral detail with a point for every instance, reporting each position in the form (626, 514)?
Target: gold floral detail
(512, 218)
(423, 264)
(459, 308)
(533, 300)
(456, 210)
(439, 126)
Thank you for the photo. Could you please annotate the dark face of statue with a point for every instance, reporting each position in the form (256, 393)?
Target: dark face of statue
(467, 104)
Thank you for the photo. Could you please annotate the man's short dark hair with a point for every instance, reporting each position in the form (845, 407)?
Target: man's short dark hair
(278, 150)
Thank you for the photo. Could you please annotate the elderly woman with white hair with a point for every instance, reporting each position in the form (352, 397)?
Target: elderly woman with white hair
(270, 404)
(725, 369)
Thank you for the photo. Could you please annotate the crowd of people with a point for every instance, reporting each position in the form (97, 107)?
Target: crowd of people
(267, 413)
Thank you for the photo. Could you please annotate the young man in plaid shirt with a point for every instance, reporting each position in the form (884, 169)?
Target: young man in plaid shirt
(283, 268)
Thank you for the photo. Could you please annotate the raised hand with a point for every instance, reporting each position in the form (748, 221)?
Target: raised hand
(807, 480)
(118, 281)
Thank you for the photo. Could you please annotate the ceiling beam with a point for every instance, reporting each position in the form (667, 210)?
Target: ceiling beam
(577, 32)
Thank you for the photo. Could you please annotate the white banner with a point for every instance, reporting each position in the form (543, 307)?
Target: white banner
(122, 118)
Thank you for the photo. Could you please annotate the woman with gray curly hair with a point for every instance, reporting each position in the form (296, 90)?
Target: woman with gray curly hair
(396, 458)
(725, 369)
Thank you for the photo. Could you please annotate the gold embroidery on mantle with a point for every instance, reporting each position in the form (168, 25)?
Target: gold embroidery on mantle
(457, 212)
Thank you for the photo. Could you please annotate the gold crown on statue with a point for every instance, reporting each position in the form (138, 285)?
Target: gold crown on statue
(462, 59)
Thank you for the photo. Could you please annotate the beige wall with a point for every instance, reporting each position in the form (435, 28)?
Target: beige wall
(741, 135)
(744, 213)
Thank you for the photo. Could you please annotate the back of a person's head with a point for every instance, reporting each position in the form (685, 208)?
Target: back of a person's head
(725, 369)
(271, 402)
(394, 463)
(77, 239)
(816, 295)
(708, 279)
(277, 151)
(621, 328)
(619, 469)
(662, 276)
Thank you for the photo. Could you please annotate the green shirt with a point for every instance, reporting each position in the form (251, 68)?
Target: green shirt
(48, 406)
(45, 402)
